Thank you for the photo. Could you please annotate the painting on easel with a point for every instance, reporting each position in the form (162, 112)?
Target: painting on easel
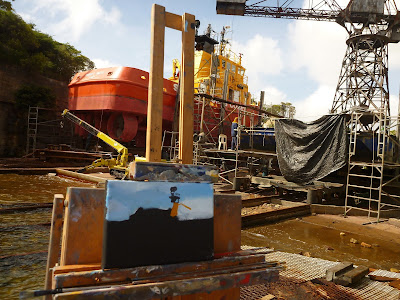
(149, 223)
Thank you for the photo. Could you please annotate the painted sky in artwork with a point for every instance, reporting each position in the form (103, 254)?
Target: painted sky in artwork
(124, 198)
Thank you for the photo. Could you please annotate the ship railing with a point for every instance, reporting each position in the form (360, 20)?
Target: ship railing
(228, 53)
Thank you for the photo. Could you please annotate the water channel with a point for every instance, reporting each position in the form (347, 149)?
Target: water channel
(26, 233)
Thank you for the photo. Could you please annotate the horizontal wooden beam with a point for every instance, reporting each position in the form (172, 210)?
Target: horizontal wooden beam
(178, 287)
(173, 21)
(121, 275)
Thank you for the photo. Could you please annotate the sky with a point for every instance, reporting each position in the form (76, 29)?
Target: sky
(293, 61)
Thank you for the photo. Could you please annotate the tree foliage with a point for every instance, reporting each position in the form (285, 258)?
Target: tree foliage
(285, 109)
(5, 5)
(33, 95)
(22, 45)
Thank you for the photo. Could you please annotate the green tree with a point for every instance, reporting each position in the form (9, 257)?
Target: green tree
(34, 95)
(285, 109)
(34, 51)
(6, 5)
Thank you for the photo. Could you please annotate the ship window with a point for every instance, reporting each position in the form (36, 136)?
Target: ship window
(228, 65)
(233, 68)
(223, 63)
(230, 96)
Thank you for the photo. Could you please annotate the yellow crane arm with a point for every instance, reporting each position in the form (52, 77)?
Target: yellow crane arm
(122, 159)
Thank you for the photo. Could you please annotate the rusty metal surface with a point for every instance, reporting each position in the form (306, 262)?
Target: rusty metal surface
(312, 270)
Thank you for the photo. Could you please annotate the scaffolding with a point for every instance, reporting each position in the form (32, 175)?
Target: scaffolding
(363, 93)
(44, 130)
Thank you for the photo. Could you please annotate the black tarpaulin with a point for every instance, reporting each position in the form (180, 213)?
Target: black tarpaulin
(310, 151)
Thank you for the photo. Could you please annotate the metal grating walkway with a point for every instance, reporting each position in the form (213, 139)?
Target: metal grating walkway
(300, 270)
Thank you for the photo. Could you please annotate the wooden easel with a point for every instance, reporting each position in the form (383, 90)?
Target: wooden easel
(186, 24)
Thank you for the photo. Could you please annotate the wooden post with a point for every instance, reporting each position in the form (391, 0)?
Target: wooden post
(156, 83)
(55, 239)
(187, 90)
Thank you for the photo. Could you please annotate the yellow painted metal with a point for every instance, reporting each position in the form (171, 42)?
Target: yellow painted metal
(209, 66)
(120, 163)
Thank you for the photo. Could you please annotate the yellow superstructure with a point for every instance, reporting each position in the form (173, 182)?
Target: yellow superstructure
(218, 70)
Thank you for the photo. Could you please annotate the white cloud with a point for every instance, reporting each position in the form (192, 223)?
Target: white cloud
(394, 104)
(103, 63)
(273, 95)
(261, 56)
(394, 56)
(319, 47)
(71, 19)
(316, 105)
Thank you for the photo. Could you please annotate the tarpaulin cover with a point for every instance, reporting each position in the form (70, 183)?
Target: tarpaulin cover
(310, 151)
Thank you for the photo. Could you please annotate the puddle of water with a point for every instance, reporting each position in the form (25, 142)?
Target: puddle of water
(19, 234)
(296, 236)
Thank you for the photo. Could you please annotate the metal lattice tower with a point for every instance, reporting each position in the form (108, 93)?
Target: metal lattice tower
(362, 90)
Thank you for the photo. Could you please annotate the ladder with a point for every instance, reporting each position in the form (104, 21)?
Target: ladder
(33, 115)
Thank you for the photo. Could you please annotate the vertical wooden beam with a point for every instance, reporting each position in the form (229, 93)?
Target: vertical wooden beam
(55, 239)
(187, 90)
(156, 82)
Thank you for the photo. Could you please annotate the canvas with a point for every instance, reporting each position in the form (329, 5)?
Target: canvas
(150, 223)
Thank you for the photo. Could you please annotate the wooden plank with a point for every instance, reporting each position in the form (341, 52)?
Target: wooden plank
(55, 239)
(178, 287)
(173, 21)
(75, 268)
(82, 239)
(187, 91)
(227, 223)
(146, 272)
(156, 84)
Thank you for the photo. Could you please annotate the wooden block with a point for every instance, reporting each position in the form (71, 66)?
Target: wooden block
(156, 171)
(227, 223)
(352, 276)
(337, 270)
(83, 226)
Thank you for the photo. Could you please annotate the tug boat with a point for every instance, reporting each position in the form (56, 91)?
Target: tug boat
(114, 100)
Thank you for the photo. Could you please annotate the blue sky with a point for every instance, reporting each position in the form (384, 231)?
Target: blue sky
(293, 61)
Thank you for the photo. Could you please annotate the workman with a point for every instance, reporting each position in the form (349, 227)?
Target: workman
(234, 133)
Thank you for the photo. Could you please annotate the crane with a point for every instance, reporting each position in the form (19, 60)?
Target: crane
(371, 26)
(363, 86)
(117, 166)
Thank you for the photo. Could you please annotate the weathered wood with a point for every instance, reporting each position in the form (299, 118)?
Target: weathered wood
(381, 278)
(55, 239)
(146, 272)
(156, 83)
(173, 21)
(227, 223)
(337, 270)
(178, 287)
(187, 90)
(352, 276)
(82, 239)
(75, 268)
(86, 177)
